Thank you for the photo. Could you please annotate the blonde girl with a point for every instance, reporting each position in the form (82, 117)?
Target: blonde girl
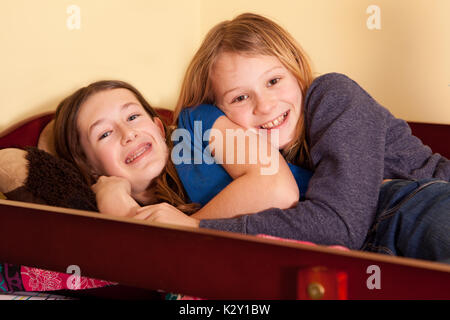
(250, 35)
(251, 70)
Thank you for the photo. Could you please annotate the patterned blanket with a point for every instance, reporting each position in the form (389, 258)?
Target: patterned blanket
(14, 278)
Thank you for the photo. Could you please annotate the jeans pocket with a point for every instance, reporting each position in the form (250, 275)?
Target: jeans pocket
(402, 211)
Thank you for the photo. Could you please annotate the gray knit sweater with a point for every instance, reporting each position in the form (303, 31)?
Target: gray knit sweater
(355, 143)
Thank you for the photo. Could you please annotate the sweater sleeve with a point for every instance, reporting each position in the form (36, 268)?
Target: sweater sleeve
(346, 130)
(406, 157)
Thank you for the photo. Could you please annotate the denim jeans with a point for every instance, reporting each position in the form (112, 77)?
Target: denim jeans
(412, 220)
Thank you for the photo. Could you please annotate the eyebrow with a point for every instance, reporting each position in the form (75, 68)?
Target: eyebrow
(266, 72)
(99, 121)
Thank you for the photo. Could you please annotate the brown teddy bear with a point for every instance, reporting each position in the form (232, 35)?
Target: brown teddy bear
(35, 174)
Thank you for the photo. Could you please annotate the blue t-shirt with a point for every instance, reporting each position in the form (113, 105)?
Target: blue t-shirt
(201, 176)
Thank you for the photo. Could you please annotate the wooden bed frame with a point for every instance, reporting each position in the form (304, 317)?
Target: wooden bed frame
(206, 263)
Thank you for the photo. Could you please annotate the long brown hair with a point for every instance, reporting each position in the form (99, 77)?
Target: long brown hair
(168, 187)
(255, 35)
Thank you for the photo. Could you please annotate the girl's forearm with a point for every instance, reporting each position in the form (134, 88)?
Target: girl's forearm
(250, 194)
(254, 187)
(117, 204)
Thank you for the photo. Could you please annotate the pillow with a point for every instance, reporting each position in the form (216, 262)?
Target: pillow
(46, 140)
(13, 169)
(34, 175)
(13, 162)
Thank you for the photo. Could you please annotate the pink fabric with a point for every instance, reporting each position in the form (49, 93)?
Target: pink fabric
(34, 279)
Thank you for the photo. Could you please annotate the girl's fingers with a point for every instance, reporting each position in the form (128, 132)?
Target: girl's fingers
(151, 207)
(143, 214)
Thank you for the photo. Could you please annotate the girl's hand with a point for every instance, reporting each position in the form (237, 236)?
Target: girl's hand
(112, 184)
(165, 213)
(113, 196)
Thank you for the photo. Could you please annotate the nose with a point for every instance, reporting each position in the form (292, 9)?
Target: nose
(264, 104)
(128, 135)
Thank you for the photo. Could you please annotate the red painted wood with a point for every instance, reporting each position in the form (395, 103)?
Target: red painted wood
(202, 263)
(436, 136)
(25, 133)
(332, 281)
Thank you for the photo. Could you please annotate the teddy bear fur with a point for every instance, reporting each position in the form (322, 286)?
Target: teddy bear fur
(34, 175)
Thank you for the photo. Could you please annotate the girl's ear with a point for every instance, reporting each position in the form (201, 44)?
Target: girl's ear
(160, 125)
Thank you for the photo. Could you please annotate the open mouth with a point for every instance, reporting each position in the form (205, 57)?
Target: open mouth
(138, 153)
(276, 122)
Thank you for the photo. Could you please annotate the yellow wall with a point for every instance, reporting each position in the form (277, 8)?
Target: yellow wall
(405, 65)
(145, 42)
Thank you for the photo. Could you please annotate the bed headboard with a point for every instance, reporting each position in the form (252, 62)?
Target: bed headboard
(436, 136)
(26, 133)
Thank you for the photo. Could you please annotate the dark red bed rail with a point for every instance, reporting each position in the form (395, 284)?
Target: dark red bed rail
(206, 263)
(436, 136)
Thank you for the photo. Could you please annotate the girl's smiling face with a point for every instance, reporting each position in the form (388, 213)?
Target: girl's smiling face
(258, 92)
(120, 138)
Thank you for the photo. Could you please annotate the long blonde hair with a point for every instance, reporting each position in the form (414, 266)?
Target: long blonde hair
(255, 35)
(168, 187)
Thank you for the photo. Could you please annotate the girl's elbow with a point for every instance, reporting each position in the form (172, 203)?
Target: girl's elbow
(287, 195)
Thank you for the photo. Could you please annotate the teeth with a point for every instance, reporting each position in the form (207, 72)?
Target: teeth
(137, 154)
(275, 122)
